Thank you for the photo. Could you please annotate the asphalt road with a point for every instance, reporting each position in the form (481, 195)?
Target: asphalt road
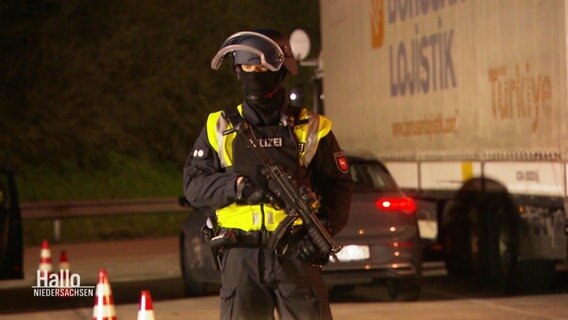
(152, 264)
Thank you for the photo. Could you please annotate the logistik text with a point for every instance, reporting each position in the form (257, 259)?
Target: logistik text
(423, 63)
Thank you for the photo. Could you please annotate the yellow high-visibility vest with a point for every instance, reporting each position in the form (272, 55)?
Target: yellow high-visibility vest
(253, 217)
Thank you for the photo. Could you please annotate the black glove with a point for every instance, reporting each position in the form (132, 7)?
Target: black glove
(246, 192)
(308, 252)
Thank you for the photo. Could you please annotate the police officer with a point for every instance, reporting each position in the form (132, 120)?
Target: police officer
(222, 173)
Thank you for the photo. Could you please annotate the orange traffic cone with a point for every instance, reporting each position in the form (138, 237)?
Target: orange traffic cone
(63, 269)
(104, 303)
(63, 261)
(45, 258)
(145, 309)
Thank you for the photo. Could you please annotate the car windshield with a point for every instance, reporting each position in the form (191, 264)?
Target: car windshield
(370, 176)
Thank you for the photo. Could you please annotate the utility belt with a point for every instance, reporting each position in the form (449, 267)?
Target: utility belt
(247, 239)
(236, 238)
(228, 238)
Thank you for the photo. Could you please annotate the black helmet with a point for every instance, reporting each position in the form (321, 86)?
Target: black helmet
(265, 47)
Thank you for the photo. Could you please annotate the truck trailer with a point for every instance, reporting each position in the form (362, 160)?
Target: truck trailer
(466, 103)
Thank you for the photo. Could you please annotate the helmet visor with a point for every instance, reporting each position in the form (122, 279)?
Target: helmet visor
(250, 48)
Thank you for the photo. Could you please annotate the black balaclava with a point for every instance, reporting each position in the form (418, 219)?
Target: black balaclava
(263, 96)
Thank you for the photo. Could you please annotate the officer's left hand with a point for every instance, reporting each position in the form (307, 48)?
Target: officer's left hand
(246, 192)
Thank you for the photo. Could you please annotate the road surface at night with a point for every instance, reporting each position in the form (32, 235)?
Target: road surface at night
(153, 264)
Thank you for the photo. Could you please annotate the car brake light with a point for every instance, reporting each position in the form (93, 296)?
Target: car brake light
(403, 204)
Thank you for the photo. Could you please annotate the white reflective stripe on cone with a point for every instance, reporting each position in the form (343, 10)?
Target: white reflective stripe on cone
(45, 267)
(45, 253)
(146, 315)
(104, 312)
(103, 289)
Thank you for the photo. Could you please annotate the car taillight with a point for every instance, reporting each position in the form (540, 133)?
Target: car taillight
(402, 204)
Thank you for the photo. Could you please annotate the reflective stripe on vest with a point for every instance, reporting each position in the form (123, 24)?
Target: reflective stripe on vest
(248, 217)
(310, 134)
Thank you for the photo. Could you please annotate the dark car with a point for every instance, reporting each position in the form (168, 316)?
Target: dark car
(11, 245)
(381, 242)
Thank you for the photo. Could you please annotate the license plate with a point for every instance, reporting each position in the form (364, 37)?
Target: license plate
(353, 253)
(428, 229)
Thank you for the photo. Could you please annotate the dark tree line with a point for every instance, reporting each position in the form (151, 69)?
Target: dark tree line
(82, 79)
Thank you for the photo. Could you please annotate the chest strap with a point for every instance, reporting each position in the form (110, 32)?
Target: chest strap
(233, 116)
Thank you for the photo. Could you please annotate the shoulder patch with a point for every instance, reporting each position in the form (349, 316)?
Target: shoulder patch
(200, 153)
(341, 161)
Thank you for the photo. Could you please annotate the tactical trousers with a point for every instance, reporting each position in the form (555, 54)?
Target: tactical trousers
(257, 281)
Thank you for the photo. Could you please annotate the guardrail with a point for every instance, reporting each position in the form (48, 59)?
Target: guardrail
(59, 210)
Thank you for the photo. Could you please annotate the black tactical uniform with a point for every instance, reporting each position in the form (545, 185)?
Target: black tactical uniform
(255, 279)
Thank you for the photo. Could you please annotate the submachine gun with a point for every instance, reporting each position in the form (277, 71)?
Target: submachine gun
(296, 201)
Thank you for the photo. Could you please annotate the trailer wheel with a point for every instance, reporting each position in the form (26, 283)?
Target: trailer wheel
(500, 246)
(457, 239)
(480, 232)
(481, 242)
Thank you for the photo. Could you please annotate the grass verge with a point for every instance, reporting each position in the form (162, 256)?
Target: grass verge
(122, 177)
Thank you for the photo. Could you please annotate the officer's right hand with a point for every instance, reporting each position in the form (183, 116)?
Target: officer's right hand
(246, 192)
(309, 252)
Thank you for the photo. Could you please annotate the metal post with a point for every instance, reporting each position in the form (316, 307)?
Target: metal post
(56, 230)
